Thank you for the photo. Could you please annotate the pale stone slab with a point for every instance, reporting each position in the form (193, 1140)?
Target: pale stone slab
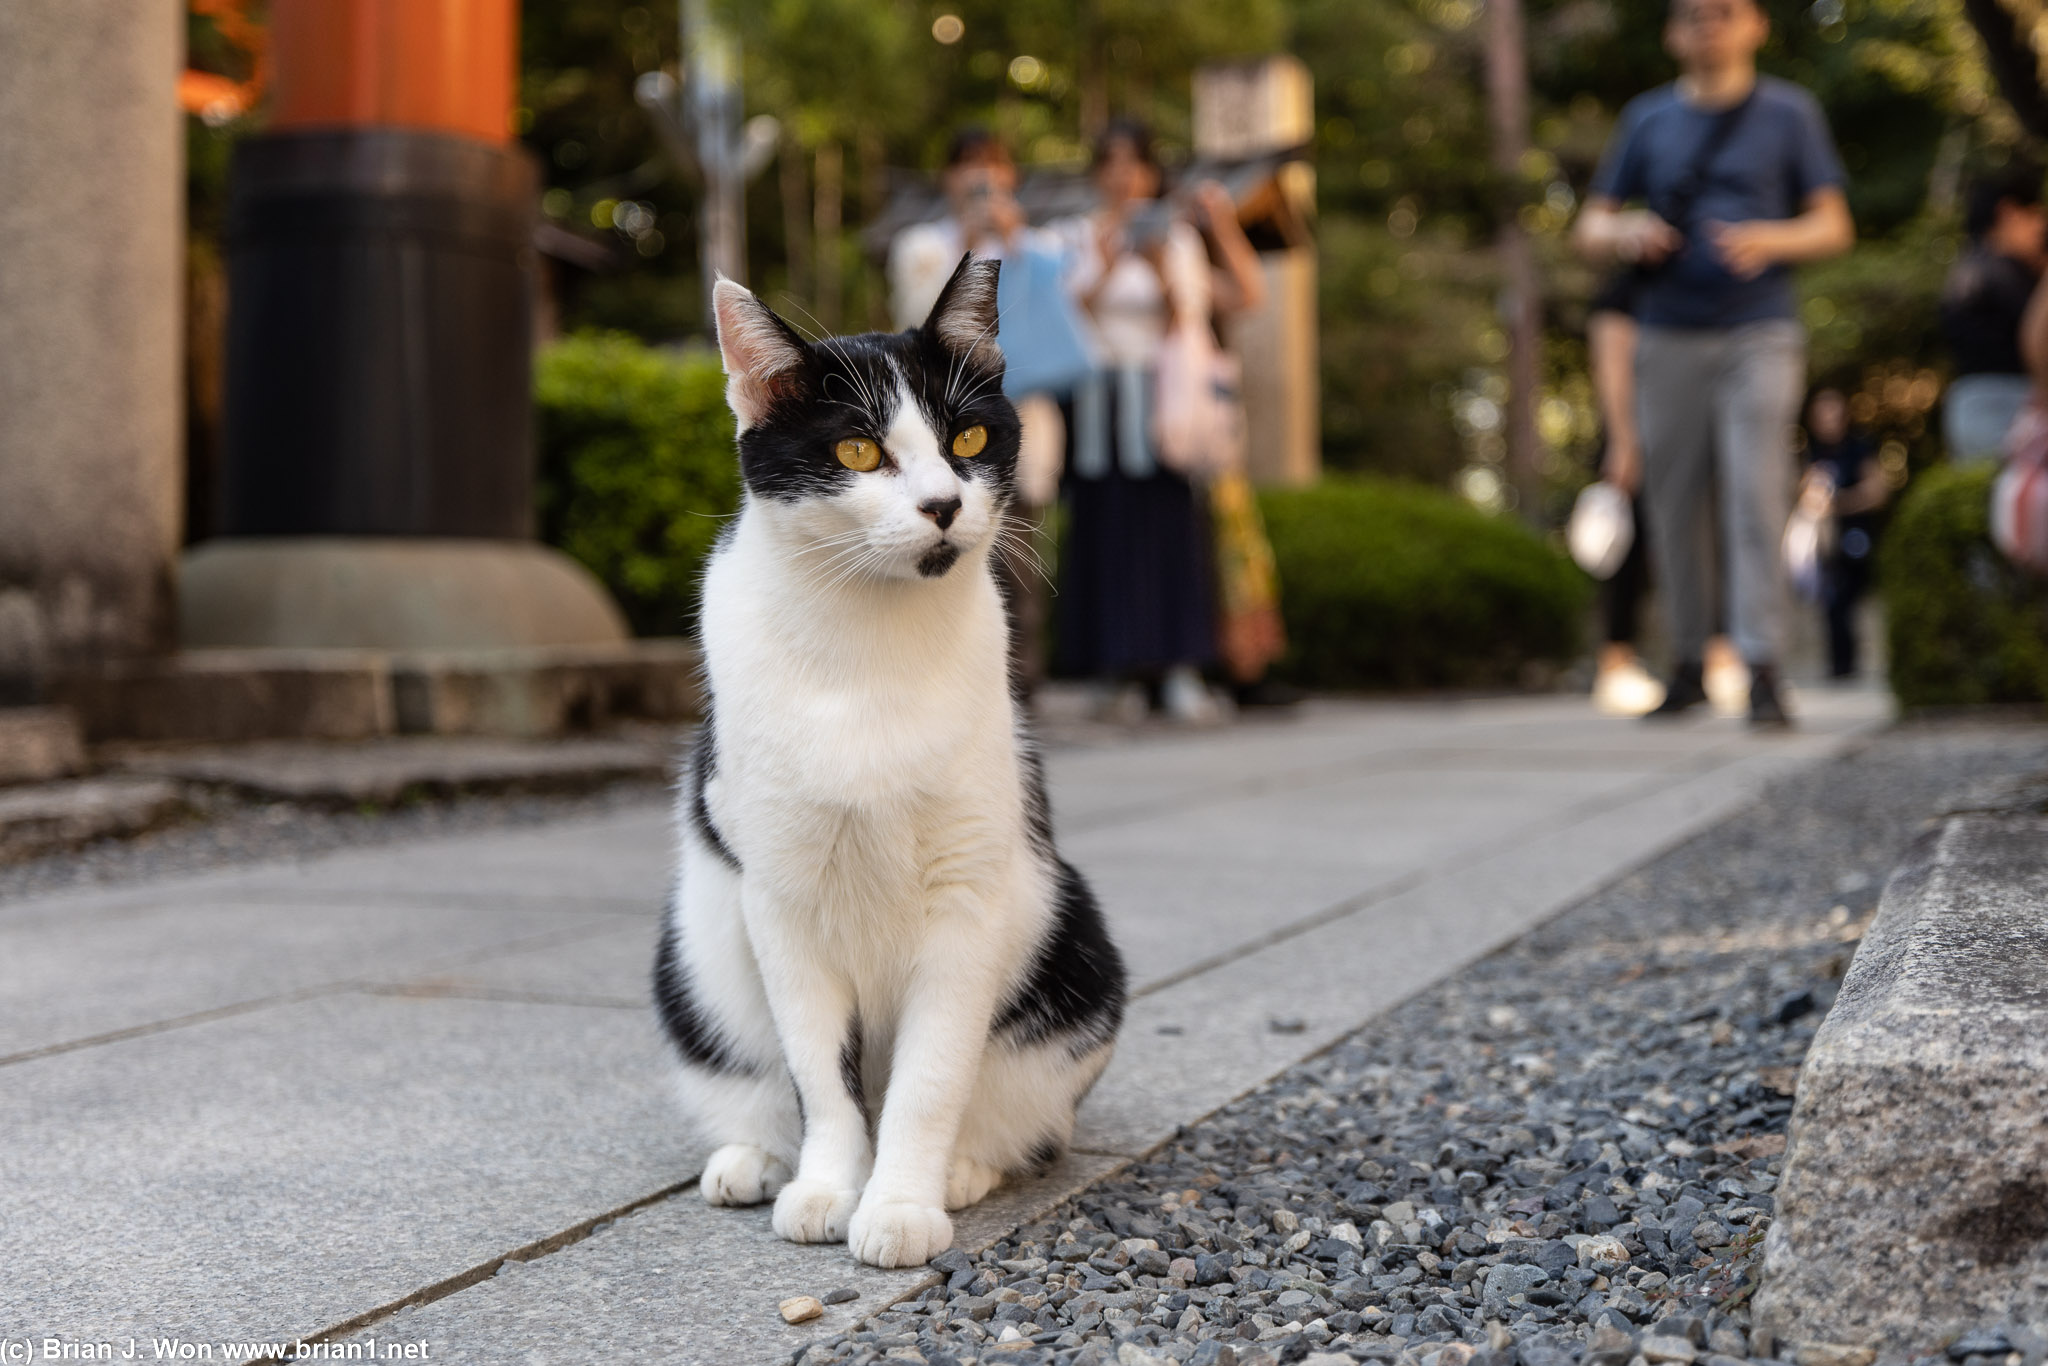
(272, 1175)
(1183, 889)
(612, 964)
(1914, 1202)
(683, 1283)
(65, 981)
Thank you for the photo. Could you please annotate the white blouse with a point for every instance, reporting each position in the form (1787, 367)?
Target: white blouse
(1130, 316)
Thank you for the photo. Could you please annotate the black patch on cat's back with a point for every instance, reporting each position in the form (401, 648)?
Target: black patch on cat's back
(1076, 989)
(689, 1029)
(1037, 806)
(703, 765)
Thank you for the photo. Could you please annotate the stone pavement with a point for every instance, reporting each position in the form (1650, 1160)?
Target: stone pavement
(414, 1092)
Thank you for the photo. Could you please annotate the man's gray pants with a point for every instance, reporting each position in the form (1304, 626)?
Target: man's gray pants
(1716, 408)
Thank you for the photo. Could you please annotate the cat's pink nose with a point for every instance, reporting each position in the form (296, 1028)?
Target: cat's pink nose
(940, 510)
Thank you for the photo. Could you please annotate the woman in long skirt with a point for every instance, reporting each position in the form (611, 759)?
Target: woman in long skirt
(1135, 600)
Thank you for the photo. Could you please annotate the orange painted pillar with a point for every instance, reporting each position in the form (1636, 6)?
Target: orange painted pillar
(380, 250)
(442, 65)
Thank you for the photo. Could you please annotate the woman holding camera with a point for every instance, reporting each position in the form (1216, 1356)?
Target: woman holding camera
(1135, 604)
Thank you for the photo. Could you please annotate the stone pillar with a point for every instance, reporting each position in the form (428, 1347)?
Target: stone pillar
(91, 231)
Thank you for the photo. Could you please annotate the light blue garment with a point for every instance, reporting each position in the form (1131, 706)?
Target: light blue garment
(1043, 349)
(1976, 413)
(1089, 443)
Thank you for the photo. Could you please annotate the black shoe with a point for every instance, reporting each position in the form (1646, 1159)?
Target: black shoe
(1686, 690)
(1766, 707)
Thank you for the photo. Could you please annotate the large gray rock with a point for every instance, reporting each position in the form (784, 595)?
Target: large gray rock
(1915, 1194)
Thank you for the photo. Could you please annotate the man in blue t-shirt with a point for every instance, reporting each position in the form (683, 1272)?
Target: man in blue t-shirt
(1737, 181)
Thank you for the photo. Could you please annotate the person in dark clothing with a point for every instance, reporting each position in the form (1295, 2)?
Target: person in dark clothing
(1135, 600)
(1981, 304)
(1846, 459)
(1738, 182)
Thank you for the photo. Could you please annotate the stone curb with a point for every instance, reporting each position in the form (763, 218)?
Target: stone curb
(46, 817)
(1915, 1197)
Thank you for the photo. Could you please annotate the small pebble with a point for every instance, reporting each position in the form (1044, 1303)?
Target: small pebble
(843, 1295)
(801, 1308)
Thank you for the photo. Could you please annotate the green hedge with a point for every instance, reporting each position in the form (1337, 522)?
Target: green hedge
(1966, 627)
(637, 469)
(1383, 585)
(1389, 585)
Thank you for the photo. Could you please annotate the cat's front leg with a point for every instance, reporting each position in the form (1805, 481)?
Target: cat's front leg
(942, 1034)
(813, 1008)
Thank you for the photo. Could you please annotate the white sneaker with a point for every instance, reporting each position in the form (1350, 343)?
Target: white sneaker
(1626, 690)
(1186, 698)
(1727, 685)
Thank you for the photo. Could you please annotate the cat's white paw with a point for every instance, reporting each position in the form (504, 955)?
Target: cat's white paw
(810, 1211)
(741, 1174)
(969, 1181)
(899, 1234)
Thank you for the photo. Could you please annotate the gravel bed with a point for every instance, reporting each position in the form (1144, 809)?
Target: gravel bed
(1565, 1154)
(226, 831)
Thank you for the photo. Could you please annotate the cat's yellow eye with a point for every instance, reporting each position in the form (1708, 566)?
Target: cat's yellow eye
(858, 453)
(970, 443)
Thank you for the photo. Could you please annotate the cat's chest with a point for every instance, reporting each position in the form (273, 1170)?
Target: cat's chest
(846, 744)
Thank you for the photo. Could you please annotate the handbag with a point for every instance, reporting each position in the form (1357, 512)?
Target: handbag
(1602, 529)
(1044, 350)
(1810, 535)
(1198, 423)
(2019, 497)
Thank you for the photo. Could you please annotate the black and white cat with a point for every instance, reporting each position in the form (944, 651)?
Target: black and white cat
(888, 990)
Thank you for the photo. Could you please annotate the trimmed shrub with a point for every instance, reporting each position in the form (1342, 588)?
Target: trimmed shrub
(1389, 585)
(637, 469)
(1966, 627)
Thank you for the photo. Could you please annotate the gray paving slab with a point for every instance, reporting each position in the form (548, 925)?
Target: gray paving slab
(616, 862)
(270, 1175)
(106, 975)
(684, 1283)
(606, 965)
(625, 856)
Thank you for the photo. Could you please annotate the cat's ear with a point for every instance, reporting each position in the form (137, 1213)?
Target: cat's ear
(763, 355)
(964, 318)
